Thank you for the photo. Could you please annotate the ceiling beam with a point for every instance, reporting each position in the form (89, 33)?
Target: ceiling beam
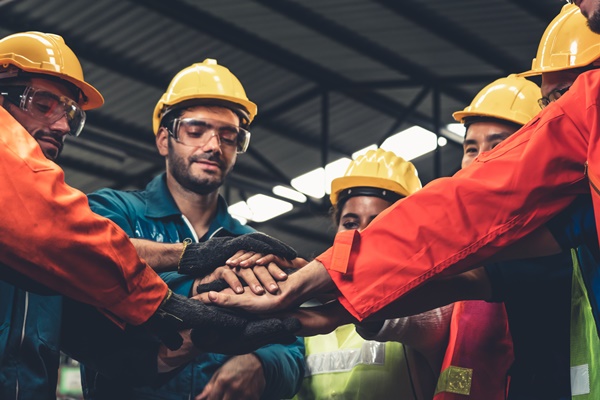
(367, 47)
(481, 79)
(447, 30)
(543, 10)
(189, 15)
(137, 71)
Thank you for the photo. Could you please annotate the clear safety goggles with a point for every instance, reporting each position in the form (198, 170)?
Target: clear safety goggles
(46, 106)
(197, 132)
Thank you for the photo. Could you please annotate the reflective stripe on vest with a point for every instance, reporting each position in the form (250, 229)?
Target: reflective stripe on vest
(370, 353)
(342, 365)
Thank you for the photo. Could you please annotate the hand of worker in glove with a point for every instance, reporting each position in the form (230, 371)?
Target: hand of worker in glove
(256, 334)
(177, 313)
(220, 284)
(200, 259)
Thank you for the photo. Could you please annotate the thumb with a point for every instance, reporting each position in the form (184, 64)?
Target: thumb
(205, 392)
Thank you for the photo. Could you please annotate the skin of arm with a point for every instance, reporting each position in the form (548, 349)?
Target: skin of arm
(161, 256)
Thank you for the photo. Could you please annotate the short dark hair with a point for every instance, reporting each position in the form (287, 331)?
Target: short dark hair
(471, 120)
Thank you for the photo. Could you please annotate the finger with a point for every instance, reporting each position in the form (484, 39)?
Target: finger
(216, 274)
(205, 393)
(250, 261)
(222, 299)
(266, 259)
(264, 276)
(251, 280)
(203, 297)
(239, 256)
(233, 281)
(276, 272)
(248, 301)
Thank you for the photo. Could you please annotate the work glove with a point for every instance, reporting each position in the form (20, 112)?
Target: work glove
(221, 284)
(177, 313)
(200, 259)
(254, 335)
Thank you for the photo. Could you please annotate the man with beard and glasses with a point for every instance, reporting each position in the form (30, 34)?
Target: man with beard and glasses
(200, 125)
(52, 243)
(48, 107)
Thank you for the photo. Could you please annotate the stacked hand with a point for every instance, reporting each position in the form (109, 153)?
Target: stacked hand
(200, 259)
(215, 329)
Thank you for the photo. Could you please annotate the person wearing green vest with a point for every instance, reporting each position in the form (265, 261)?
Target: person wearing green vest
(342, 364)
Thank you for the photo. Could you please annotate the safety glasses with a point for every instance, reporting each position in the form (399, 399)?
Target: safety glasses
(46, 106)
(552, 96)
(198, 132)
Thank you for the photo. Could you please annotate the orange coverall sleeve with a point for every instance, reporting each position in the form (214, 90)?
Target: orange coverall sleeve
(455, 223)
(50, 235)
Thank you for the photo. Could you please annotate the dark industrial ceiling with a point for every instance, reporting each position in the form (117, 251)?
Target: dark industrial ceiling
(329, 77)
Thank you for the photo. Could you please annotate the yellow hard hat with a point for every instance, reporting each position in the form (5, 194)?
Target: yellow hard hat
(567, 43)
(47, 54)
(377, 169)
(205, 80)
(513, 99)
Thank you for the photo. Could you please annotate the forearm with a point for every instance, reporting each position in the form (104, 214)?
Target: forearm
(160, 256)
(539, 243)
(471, 285)
(448, 227)
(51, 235)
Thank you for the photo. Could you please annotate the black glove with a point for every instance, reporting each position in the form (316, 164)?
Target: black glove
(255, 335)
(178, 312)
(220, 284)
(200, 259)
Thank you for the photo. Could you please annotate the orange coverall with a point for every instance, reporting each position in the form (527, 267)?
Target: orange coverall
(50, 235)
(453, 224)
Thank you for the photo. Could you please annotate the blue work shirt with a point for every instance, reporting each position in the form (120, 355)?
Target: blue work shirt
(29, 343)
(153, 214)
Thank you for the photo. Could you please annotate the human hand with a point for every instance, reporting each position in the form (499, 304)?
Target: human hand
(168, 359)
(200, 259)
(256, 277)
(266, 269)
(307, 282)
(177, 313)
(241, 377)
(237, 279)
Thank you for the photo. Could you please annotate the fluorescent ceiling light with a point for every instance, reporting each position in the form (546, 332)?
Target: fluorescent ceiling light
(335, 170)
(240, 211)
(311, 183)
(455, 132)
(411, 143)
(289, 193)
(317, 183)
(260, 208)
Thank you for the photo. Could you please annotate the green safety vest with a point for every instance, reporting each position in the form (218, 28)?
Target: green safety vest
(585, 344)
(342, 365)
